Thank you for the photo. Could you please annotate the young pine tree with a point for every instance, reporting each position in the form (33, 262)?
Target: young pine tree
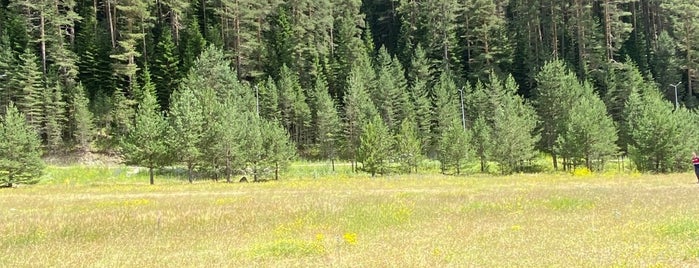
(20, 151)
(145, 144)
(327, 122)
(513, 133)
(278, 145)
(408, 147)
(454, 149)
(590, 137)
(186, 128)
(375, 147)
(82, 120)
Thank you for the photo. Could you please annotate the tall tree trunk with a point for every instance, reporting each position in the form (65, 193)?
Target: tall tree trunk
(150, 172)
(42, 38)
(228, 166)
(190, 166)
(110, 18)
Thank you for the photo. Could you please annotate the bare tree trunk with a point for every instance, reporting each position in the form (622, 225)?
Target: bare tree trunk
(190, 166)
(110, 18)
(150, 171)
(42, 38)
(228, 166)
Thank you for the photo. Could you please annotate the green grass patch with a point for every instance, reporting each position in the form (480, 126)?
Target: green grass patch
(681, 228)
(286, 248)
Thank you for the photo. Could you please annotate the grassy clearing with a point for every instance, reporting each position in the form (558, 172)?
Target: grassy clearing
(110, 217)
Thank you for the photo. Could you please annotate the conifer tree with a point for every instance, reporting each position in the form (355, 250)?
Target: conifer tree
(666, 66)
(513, 130)
(375, 147)
(296, 115)
(8, 92)
(54, 117)
(81, 119)
(408, 147)
(145, 144)
(269, 100)
(555, 94)
(482, 141)
(590, 137)
(186, 128)
(658, 135)
(444, 107)
(278, 144)
(30, 87)
(193, 43)
(358, 110)
(454, 149)
(165, 73)
(682, 14)
(20, 151)
(327, 122)
(386, 95)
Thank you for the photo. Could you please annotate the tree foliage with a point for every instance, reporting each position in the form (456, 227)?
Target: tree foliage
(20, 150)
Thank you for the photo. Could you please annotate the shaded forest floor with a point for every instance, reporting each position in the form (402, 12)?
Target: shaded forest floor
(115, 219)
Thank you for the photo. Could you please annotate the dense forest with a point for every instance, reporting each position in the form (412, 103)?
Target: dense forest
(230, 86)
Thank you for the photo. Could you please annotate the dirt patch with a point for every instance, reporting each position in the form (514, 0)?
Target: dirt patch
(89, 159)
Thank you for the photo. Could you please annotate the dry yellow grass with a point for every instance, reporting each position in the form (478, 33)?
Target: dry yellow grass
(407, 221)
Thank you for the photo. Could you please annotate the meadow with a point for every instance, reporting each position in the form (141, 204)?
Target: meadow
(109, 217)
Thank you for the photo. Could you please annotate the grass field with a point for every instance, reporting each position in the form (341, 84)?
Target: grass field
(106, 217)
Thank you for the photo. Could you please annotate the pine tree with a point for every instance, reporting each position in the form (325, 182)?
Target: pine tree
(657, 134)
(280, 43)
(358, 110)
(54, 117)
(617, 29)
(454, 149)
(375, 145)
(327, 122)
(444, 107)
(513, 129)
(81, 119)
(624, 79)
(440, 38)
(482, 141)
(7, 65)
(590, 135)
(279, 146)
(349, 51)
(489, 47)
(165, 73)
(230, 137)
(386, 95)
(682, 13)
(176, 10)
(186, 128)
(30, 86)
(408, 147)
(296, 115)
(129, 21)
(93, 48)
(666, 66)
(193, 43)
(554, 97)
(20, 151)
(269, 100)
(121, 115)
(145, 143)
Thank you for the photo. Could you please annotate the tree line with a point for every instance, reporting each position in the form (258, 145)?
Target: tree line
(222, 85)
